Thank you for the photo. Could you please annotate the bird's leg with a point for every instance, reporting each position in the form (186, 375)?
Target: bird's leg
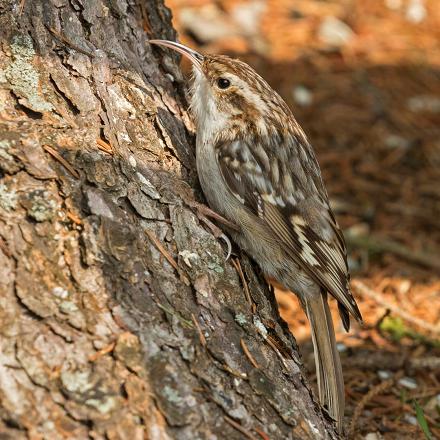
(203, 212)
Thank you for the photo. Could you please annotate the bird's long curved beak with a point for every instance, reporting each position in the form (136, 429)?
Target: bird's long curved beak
(195, 57)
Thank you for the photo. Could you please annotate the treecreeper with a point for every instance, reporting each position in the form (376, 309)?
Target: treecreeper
(258, 170)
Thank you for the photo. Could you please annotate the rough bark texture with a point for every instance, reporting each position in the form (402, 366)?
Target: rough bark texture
(101, 336)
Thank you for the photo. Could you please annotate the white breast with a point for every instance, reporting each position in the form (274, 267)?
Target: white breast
(208, 119)
(209, 123)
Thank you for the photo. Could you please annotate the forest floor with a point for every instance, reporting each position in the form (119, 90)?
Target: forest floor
(363, 80)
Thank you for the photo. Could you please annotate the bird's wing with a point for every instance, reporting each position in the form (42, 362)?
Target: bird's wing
(285, 190)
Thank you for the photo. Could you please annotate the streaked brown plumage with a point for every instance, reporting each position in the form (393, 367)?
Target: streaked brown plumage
(257, 169)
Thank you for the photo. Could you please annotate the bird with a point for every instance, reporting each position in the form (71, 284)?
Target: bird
(257, 169)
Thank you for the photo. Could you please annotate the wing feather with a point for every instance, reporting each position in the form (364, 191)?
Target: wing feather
(286, 191)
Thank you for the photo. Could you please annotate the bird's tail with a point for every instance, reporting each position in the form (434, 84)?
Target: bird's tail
(328, 363)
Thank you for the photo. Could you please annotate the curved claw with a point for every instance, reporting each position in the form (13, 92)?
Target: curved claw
(228, 243)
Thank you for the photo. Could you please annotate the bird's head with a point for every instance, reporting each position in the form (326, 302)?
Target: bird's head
(228, 94)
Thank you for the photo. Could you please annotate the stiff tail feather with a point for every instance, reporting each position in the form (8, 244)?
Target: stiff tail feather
(328, 363)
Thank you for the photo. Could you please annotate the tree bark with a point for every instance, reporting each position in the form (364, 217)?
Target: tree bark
(119, 317)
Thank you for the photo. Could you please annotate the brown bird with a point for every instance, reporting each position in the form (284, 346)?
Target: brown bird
(258, 170)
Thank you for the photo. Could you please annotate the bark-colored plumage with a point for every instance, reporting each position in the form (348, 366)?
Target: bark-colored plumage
(257, 169)
(328, 364)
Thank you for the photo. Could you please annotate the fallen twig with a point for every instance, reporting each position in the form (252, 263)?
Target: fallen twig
(233, 371)
(161, 249)
(248, 354)
(167, 256)
(109, 348)
(75, 219)
(104, 146)
(199, 330)
(240, 428)
(261, 433)
(237, 266)
(61, 159)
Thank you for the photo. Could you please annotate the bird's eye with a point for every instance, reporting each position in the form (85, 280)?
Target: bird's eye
(223, 83)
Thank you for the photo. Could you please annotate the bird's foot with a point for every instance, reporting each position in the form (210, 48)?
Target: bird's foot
(203, 212)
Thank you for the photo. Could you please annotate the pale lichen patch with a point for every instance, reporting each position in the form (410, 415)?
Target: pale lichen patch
(188, 256)
(60, 292)
(22, 77)
(172, 395)
(8, 198)
(42, 207)
(68, 307)
(76, 381)
(260, 327)
(103, 405)
(240, 318)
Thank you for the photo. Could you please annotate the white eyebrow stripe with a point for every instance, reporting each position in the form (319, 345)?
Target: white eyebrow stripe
(253, 97)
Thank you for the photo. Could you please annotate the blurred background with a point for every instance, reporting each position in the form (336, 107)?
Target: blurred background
(363, 80)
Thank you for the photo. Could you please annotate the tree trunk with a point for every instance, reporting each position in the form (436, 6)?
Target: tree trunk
(120, 318)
